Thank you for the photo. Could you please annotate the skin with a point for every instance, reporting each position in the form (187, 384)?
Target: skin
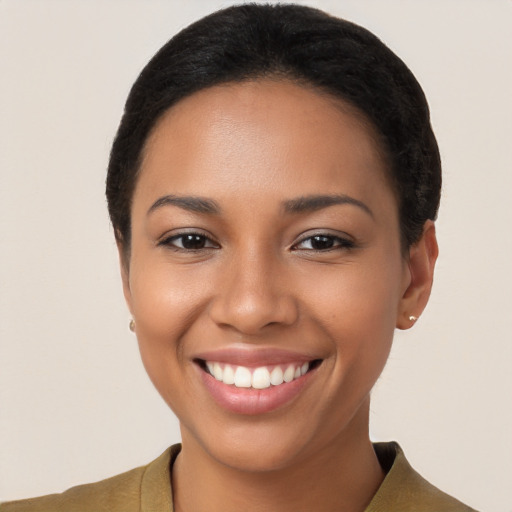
(259, 283)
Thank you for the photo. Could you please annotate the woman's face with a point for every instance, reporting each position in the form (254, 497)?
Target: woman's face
(265, 249)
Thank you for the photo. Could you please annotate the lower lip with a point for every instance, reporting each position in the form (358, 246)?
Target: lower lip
(253, 401)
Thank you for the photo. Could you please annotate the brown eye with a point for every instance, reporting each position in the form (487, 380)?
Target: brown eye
(323, 243)
(319, 243)
(189, 242)
(193, 241)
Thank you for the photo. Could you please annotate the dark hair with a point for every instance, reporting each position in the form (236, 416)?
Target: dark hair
(300, 43)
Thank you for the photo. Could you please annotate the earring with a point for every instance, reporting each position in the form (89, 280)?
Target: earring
(413, 318)
(131, 325)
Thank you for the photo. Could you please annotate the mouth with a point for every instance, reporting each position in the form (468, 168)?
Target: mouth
(250, 386)
(260, 377)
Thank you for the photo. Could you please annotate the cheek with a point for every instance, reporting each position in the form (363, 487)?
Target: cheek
(356, 306)
(361, 296)
(165, 304)
(165, 297)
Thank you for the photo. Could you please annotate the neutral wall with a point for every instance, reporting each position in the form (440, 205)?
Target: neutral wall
(75, 403)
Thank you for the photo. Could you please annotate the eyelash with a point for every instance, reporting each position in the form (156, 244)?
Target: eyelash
(170, 242)
(337, 242)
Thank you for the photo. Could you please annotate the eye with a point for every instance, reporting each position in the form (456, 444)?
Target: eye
(189, 242)
(323, 242)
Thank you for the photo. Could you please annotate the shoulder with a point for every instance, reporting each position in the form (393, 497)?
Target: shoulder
(138, 489)
(120, 492)
(404, 490)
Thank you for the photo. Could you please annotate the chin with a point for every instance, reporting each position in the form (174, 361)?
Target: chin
(257, 455)
(262, 446)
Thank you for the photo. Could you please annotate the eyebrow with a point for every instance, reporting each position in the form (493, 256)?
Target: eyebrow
(301, 204)
(189, 203)
(318, 202)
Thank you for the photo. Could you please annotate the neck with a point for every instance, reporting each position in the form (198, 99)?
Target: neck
(342, 475)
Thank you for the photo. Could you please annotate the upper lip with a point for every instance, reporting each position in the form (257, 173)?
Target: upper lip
(254, 357)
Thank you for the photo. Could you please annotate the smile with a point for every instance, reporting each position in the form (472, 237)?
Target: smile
(243, 383)
(257, 378)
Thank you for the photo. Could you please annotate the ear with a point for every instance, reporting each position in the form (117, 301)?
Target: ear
(422, 259)
(124, 265)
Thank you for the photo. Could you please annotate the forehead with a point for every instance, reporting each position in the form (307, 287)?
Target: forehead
(245, 136)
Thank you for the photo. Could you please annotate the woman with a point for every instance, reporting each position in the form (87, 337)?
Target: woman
(273, 188)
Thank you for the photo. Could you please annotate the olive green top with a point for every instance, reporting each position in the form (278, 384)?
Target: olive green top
(148, 489)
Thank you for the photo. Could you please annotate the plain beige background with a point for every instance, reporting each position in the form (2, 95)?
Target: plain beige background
(75, 403)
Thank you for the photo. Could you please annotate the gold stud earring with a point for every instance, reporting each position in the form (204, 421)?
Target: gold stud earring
(413, 318)
(131, 325)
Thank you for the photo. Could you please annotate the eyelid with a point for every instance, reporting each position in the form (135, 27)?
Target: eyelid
(344, 240)
(169, 237)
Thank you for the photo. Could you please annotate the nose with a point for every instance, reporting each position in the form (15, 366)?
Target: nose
(254, 294)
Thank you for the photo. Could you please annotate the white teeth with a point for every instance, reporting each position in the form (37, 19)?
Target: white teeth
(261, 378)
(229, 375)
(256, 378)
(243, 377)
(276, 377)
(217, 371)
(289, 373)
